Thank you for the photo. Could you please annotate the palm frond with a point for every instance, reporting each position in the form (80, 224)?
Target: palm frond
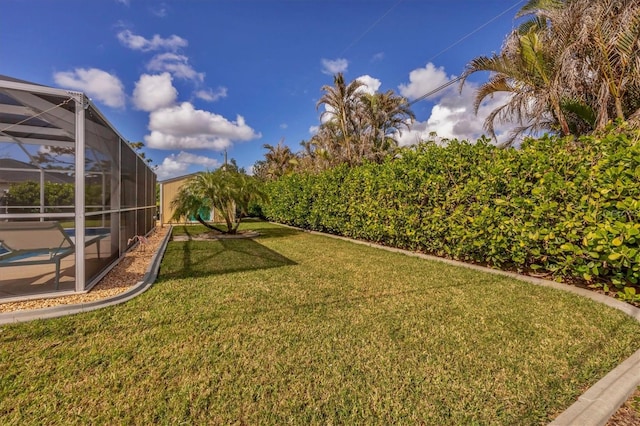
(538, 6)
(581, 110)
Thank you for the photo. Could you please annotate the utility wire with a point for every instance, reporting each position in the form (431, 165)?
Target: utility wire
(450, 82)
(354, 42)
(436, 90)
(455, 80)
(474, 31)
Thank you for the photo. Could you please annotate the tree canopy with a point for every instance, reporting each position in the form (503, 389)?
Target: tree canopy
(571, 67)
(227, 190)
(355, 126)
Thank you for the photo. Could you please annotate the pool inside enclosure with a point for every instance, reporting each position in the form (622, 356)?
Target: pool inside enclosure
(73, 193)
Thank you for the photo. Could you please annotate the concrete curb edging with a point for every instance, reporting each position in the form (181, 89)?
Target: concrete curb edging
(594, 407)
(602, 400)
(63, 310)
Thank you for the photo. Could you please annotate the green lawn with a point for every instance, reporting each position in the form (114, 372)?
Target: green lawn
(297, 328)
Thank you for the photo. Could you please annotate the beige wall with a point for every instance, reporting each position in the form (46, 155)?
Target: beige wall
(168, 191)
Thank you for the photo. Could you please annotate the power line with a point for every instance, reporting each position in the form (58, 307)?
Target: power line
(450, 82)
(466, 36)
(436, 90)
(474, 31)
(354, 42)
(455, 80)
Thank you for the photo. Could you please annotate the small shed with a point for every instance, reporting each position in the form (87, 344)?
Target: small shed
(168, 190)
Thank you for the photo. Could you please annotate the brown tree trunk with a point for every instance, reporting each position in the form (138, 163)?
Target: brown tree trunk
(619, 110)
(201, 221)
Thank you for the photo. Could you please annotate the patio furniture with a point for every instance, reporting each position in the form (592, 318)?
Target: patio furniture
(36, 243)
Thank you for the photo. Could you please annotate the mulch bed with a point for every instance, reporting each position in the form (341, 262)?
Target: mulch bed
(629, 413)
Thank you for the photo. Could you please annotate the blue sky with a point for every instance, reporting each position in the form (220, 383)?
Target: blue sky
(192, 78)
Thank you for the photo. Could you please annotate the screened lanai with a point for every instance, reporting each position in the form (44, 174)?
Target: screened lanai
(73, 193)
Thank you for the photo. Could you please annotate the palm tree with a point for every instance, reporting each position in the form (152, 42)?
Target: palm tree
(247, 190)
(600, 55)
(279, 160)
(530, 75)
(321, 152)
(326, 148)
(188, 202)
(228, 191)
(385, 114)
(342, 102)
(573, 65)
(359, 125)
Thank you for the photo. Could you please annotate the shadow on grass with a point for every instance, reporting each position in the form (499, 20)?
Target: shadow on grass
(191, 259)
(275, 231)
(266, 229)
(331, 301)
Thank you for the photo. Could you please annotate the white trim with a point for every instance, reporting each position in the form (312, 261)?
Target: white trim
(80, 199)
(36, 88)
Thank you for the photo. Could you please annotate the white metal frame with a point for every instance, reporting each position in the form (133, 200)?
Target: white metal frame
(67, 124)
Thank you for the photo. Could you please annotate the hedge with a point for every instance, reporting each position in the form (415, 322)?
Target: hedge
(562, 207)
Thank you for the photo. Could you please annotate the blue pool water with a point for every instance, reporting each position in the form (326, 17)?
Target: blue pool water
(88, 231)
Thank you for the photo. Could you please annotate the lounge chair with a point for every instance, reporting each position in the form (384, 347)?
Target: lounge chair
(35, 243)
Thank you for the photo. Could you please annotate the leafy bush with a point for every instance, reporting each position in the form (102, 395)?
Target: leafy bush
(28, 194)
(557, 206)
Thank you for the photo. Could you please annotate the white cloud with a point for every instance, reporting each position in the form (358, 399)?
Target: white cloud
(284, 125)
(138, 42)
(453, 118)
(153, 92)
(210, 95)
(200, 160)
(328, 115)
(171, 168)
(377, 57)
(423, 81)
(314, 129)
(371, 85)
(335, 66)
(125, 2)
(178, 164)
(161, 140)
(184, 127)
(177, 65)
(160, 11)
(96, 83)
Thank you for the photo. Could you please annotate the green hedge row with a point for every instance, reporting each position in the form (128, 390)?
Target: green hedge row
(565, 207)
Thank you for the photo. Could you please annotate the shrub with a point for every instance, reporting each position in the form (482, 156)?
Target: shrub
(560, 206)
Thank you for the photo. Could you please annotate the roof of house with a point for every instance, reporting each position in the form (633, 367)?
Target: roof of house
(9, 173)
(177, 178)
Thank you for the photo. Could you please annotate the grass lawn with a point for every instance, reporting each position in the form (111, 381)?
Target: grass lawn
(296, 328)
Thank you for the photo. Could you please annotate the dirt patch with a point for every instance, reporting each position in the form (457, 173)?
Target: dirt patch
(129, 271)
(629, 413)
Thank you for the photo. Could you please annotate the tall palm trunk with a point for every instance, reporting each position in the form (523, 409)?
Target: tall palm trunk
(560, 116)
